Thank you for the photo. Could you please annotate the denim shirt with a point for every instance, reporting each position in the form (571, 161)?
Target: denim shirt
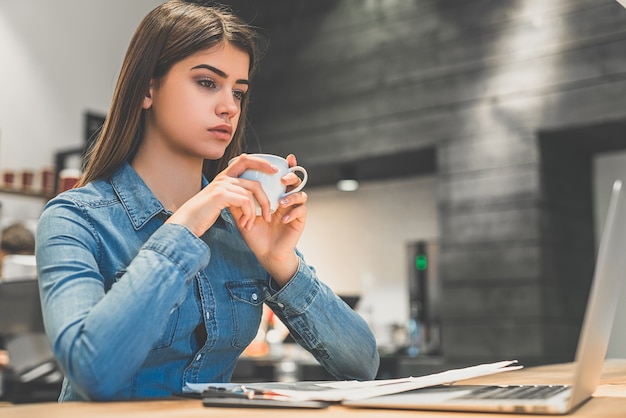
(122, 294)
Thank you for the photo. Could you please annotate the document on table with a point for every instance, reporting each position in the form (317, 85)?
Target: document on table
(337, 391)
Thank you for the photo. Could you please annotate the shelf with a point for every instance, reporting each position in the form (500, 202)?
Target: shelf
(37, 195)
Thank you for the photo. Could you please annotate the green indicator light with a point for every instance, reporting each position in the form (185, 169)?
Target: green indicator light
(421, 262)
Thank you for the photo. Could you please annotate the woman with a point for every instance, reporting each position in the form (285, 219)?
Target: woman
(151, 276)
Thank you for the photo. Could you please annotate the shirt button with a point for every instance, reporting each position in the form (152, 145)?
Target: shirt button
(198, 357)
(207, 315)
(254, 297)
(280, 305)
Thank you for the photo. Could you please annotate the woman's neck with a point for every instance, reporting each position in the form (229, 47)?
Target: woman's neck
(172, 178)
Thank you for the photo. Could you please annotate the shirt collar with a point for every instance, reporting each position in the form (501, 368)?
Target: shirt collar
(138, 200)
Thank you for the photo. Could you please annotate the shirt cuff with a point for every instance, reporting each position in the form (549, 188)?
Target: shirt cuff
(179, 245)
(295, 297)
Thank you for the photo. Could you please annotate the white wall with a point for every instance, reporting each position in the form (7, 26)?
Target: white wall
(357, 242)
(607, 168)
(59, 59)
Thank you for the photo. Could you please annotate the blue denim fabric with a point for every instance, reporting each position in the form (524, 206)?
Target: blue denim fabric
(122, 294)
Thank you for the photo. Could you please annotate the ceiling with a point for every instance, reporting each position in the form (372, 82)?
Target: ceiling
(406, 164)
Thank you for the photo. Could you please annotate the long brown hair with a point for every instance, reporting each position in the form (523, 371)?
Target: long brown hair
(168, 34)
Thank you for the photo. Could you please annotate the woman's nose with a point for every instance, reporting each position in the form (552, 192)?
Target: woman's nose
(227, 105)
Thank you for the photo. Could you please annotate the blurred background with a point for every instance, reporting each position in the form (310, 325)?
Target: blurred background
(483, 137)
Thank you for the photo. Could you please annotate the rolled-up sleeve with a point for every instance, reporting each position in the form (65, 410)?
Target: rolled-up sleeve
(326, 326)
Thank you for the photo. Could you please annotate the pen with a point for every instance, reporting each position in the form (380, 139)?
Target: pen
(240, 392)
(235, 392)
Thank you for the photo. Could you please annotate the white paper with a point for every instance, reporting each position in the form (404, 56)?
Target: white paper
(331, 391)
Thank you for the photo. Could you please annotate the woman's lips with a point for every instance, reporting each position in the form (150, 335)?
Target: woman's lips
(223, 132)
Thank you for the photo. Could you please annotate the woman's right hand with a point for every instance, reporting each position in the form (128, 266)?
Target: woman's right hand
(227, 190)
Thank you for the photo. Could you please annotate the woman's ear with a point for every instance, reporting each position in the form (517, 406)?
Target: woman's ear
(147, 100)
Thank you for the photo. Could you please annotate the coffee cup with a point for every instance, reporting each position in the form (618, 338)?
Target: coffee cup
(271, 184)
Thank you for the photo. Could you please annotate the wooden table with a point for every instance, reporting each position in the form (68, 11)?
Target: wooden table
(609, 401)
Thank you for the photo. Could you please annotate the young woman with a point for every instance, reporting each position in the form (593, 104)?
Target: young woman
(153, 272)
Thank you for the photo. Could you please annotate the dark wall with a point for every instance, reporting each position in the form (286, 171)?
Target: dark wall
(484, 83)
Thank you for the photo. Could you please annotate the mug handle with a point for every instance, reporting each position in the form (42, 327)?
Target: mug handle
(305, 177)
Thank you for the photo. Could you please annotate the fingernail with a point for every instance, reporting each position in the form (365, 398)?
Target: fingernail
(285, 218)
(284, 202)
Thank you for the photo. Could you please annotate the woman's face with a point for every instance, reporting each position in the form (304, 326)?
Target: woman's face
(194, 109)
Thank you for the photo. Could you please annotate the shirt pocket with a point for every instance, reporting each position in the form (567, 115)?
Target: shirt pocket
(246, 300)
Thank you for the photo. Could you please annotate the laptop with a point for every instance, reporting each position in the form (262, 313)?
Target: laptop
(590, 354)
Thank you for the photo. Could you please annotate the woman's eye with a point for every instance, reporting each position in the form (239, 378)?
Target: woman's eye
(239, 95)
(207, 82)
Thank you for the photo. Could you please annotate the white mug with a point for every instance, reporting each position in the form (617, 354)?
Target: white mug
(271, 184)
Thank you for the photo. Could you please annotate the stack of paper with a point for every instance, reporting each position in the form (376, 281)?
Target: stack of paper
(337, 391)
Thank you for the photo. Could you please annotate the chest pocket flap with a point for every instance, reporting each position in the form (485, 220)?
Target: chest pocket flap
(252, 293)
(246, 301)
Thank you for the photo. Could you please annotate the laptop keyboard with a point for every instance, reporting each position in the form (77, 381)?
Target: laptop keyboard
(515, 392)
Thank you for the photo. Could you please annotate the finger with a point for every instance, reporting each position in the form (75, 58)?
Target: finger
(263, 201)
(254, 190)
(243, 213)
(238, 215)
(291, 179)
(296, 213)
(250, 209)
(248, 162)
(299, 198)
(291, 159)
(241, 203)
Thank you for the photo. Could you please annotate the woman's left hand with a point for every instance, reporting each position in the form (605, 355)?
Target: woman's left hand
(274, 242)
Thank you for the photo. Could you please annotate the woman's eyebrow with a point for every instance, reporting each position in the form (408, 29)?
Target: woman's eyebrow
(218, 72)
